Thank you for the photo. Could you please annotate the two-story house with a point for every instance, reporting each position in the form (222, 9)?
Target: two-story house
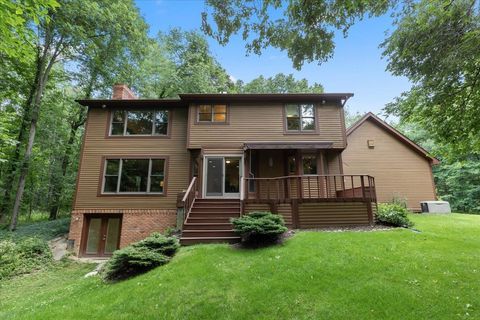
(195, 162)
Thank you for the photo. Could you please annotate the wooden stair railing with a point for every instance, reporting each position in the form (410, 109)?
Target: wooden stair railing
(189, 198)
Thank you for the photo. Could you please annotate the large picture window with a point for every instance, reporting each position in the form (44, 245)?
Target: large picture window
(300, 117)
(212, 113)
(134, 176)
(139, 122)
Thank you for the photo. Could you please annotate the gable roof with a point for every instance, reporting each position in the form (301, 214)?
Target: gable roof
(393, 132)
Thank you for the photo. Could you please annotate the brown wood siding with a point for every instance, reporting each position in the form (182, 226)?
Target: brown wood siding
(97, 146)
(285, 210)
(256, 123)
(398, 170)
(315, 215)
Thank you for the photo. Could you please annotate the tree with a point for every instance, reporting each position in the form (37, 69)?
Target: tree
(15, 17)
(60, 35)
(179, 62)
(436, 46)
(101, 63)
(280, 83)
(305, 29)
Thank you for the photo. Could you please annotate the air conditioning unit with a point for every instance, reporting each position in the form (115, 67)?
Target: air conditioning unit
(435, 207)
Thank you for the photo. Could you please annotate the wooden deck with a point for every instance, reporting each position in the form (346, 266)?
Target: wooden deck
(305, 202)
(310, 201)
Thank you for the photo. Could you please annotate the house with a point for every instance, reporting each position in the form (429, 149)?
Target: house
(402, 169)
(197, 161)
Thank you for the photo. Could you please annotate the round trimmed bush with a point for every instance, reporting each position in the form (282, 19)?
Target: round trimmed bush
(259, 227)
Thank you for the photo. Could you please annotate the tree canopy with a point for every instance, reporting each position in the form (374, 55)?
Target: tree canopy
(304, 29)
(436, 46)
(280, 83)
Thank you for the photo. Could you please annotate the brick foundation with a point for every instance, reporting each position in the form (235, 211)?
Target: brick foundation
(137, 224)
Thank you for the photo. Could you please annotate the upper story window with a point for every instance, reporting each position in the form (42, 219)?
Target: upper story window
(300, 117)
(212, 113)
(134, 176)
(139, 122)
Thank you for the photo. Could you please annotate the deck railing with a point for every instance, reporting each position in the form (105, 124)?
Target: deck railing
(189, 198)
(310, 187)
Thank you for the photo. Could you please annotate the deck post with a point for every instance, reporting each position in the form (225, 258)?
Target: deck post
(273, 207)
(369, 212)
(295, 217)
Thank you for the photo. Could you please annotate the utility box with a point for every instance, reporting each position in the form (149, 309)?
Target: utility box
(435, 207)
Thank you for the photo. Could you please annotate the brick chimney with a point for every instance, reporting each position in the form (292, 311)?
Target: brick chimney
(122, 92)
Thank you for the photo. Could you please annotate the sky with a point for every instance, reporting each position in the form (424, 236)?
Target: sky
(357, 65)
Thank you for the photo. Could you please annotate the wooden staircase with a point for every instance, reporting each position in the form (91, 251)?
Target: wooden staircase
(209, 221)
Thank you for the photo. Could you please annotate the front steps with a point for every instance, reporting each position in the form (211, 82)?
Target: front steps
(209, 222)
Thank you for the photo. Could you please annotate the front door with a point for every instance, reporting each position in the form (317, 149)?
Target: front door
(222, 177)
(102, 235)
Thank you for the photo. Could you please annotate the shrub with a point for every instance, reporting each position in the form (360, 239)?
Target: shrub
(393, 214)
(159, 243)
(259, 227)
(23, 256)
(140, 257)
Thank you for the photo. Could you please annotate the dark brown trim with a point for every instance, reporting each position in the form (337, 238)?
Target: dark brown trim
(273, 145)
(266, 97)
(395, 133)
(84, 233)
(134, 136)
(82, 148)
(433, 183)
(286, 132)
(227, 115)
(321, 98)
(340, 161)
(132, 194)
(133, 103)
(344, 127)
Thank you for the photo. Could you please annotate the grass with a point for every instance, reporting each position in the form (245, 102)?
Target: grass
(396, 274)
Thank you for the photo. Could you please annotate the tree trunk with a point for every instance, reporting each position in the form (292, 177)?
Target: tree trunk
(12, 168)
(26, 164)
(43, 70)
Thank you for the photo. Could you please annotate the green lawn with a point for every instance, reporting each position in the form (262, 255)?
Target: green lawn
(396, 274)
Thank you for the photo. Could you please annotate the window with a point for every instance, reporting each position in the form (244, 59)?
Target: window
(309, 165)
(212, 113)
(139, 122)
(134, 176)
(300, 117)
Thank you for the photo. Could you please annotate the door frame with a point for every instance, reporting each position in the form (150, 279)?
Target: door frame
(205, 176)
(86, 225)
